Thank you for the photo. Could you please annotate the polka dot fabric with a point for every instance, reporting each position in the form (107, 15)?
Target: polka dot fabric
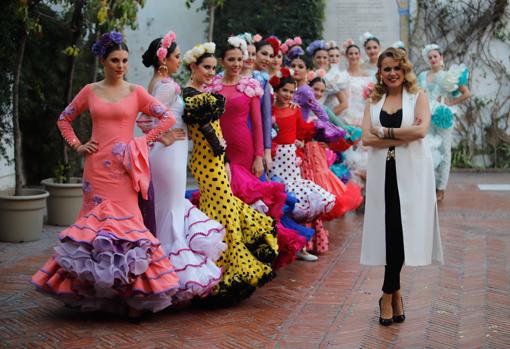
(313, 201)
(250, 235)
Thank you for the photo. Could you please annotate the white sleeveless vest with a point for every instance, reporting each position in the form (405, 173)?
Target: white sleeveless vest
(416, 187)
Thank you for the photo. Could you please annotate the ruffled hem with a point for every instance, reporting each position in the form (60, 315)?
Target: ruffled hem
(194, 263)
(250, 189)
(88, 275)
(313, 200)
(110, 218)
(289, 243)
(108, 254)
(315, 168)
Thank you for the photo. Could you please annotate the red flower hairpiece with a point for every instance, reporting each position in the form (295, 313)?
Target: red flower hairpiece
(280, 74)
(275, 43)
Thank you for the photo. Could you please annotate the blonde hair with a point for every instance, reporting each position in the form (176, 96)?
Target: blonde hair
(410, 83)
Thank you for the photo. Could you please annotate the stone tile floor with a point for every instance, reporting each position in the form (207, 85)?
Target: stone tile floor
(328, 304)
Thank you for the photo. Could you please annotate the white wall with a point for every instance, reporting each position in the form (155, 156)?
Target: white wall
(156, 19)
(7, 171)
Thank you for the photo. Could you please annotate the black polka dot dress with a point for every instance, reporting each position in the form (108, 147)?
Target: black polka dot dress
(250, 235)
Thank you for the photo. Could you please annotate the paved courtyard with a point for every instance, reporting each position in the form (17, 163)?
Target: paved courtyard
(328, 304)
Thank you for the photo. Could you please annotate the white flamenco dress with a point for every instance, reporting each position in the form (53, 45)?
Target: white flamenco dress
(356, 156)
(193, 241)
(445, 84)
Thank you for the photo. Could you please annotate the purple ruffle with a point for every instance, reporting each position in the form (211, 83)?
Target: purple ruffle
(327, 132)
(106, 262)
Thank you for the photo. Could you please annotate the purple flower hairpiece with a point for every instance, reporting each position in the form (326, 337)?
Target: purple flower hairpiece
(99, 47)
(295, 52)
(314, 46)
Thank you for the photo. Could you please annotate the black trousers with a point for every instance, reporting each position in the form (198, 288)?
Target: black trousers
(394, 234)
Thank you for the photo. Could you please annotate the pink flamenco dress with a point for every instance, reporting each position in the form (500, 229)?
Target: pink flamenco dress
(315, 167)
(244, 143)
(108, 259)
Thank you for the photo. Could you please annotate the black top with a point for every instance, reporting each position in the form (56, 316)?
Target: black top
(391, 120)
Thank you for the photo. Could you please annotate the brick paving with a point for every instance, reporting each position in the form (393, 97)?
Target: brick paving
(329, 304)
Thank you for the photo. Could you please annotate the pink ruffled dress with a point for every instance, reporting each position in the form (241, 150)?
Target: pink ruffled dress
(108, 258)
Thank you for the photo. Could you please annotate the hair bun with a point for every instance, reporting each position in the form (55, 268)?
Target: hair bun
(147, 59)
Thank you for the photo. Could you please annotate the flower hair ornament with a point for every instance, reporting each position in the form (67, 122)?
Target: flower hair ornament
(275, 43)
(99, 47)
(280, 74)
(250, 39)
(315, 46)
(289, 43)
(295, 52)
(331, 45)
(428, 48)
(191, 56)
(312, 74)
(366, 37)
(257, 38)
(345, 44)
(239, 43)
(399, 44)
(166, 42)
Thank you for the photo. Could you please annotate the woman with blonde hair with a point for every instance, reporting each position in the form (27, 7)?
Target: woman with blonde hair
(401, 222)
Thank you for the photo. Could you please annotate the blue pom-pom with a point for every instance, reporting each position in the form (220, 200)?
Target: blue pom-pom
(442, 116)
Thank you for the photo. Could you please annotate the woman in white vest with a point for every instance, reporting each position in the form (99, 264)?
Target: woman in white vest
(401, 214)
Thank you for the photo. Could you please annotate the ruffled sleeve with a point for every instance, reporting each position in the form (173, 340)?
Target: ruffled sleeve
(151, 106)
(167, 92)
(304, 130)
(336, 80)
(266, 109)
(202, 108)
(78, 105)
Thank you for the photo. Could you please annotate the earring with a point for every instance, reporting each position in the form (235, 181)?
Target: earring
(163, 70)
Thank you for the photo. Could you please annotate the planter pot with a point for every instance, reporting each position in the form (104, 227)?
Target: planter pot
(21, 217)
(481, 160)
(64, 202)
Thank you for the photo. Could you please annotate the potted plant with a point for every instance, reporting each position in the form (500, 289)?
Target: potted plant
(66, 195)
(21, 209)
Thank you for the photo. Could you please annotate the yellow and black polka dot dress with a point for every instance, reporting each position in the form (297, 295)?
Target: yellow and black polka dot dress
(250, 235)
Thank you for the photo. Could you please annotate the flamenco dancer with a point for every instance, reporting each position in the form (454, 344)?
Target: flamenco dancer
(334, 96)
(372, 48)
(250, 236)
(191, 240)
(315, 166)
(108, 259)
(242, 95)
(445, 90)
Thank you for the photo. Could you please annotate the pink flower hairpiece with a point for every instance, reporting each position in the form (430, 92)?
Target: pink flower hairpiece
(319, 73)
(347, 43)
(257, 37)
(293, 42)
(166, 42)
(284, 47)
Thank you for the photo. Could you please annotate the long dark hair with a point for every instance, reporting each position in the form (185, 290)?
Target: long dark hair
(150, 58)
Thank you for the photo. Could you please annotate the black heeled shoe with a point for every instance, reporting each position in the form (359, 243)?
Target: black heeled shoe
(382, 321)
(400, 318)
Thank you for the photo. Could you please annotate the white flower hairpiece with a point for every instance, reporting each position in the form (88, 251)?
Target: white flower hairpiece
(331, 44)
(365, 37)
(191, 56)
(239, 43)
(428, 48)
(398, 44)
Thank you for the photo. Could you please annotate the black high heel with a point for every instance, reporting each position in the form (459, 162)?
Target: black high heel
(382, 321)
(400, 318)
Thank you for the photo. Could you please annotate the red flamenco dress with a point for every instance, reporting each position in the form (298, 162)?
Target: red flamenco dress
(108, 259)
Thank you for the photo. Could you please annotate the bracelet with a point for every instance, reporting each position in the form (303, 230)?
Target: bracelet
(380, 132)
(392, 133)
